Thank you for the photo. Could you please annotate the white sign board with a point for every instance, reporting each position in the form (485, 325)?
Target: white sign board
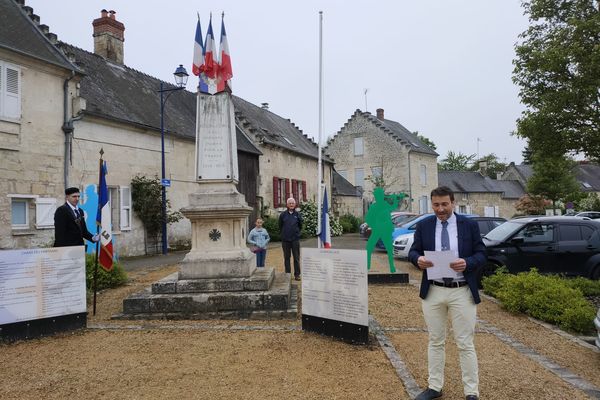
(41, 283)
(334, 285)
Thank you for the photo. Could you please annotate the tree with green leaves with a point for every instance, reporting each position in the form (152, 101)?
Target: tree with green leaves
(553, 179)
(456, 162)
(146, 196)
(557, 68)
(493, 165)
(425, 140)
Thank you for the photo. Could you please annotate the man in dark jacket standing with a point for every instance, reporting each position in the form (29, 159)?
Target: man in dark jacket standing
(290, 225)
(69, 222)
(455, 297)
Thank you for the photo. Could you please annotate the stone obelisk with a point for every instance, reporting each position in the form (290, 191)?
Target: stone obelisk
(217, 211)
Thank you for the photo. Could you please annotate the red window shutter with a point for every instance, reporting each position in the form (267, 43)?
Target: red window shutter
(275, 192)
(287, 189)
(304, 190)
(295, 190)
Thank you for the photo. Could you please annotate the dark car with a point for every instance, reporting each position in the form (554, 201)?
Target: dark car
(589, 214)
(558, 245)
(486, 224)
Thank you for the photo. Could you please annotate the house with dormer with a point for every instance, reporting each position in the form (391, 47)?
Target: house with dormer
(371, 150)
(92, 101)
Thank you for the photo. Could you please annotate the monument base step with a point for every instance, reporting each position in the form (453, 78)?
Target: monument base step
(279, 301)
(261, 280)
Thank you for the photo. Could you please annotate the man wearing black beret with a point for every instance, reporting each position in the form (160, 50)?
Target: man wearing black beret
(69, 222)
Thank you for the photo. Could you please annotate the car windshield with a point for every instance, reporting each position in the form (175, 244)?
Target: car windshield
(407, 222)
(501, 232)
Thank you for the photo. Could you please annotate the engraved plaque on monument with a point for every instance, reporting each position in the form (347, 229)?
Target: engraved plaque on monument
(216, 151)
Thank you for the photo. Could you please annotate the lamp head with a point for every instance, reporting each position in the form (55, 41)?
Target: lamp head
(181, 76)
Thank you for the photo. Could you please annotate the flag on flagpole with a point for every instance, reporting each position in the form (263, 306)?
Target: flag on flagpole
(225, 69)
(103, 220)
(210, 67)
(325, 235)
(198, 50)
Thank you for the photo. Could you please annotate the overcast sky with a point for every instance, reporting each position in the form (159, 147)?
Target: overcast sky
(442, 68)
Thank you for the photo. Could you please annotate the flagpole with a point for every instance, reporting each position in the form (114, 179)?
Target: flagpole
(97, 232)
(320, 172)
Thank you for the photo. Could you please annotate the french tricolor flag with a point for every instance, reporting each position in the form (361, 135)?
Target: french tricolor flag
(225, 69)
(198, 50)
(103, 220)
(210, 65)
(325, 234)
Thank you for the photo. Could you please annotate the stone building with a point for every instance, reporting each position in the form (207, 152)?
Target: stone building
(475, 193)
(92, 101)
(370, 149)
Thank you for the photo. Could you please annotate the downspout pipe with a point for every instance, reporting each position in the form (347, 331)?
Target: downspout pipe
(68, 128)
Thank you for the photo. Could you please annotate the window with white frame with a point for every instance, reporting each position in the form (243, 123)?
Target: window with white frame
(358, 146)
(423, 175)
(19, 208)
(377, 172)
(423, 204)
(10, 91)
(359, 177)
(125, 208)
(115, 210)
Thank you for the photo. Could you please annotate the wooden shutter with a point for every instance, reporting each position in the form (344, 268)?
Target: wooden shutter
(10, 90)
(295, 190)
(287, 190)
(304, 190)
(275, 192)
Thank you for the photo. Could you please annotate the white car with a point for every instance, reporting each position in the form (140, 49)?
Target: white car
(402, 245)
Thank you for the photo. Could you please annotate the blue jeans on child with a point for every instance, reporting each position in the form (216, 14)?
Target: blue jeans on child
(261, 254)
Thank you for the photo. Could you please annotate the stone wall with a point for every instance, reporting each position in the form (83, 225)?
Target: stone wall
(476, 203)
(381, 150)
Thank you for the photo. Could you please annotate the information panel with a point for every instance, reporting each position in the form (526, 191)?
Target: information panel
(41, 283)
(334, 285)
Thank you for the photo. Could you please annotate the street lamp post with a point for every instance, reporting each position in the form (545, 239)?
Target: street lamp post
(181, 77)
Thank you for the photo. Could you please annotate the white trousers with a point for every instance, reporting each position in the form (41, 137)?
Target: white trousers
(459, 304)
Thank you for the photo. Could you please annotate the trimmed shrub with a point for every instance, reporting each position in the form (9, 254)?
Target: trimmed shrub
(349, 223)
(587, 286)
(549, 298)
(116, 277)
(271, 224)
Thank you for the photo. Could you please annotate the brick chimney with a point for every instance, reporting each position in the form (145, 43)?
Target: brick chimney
(380, 114)
(108, 36)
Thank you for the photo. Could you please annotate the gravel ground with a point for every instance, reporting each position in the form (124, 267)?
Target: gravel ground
(275, 359)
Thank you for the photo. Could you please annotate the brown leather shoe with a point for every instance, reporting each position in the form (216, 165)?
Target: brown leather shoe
(297, 278)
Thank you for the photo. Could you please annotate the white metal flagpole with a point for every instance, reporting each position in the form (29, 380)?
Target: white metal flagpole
(320, 172)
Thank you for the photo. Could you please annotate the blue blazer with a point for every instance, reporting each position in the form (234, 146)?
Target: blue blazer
(470, 247)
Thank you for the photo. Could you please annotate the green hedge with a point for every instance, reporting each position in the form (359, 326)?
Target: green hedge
(350, 223)
(116, 277)
(549, 298)
(271, 224)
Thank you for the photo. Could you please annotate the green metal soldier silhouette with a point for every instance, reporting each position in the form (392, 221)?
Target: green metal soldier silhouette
(380, 222)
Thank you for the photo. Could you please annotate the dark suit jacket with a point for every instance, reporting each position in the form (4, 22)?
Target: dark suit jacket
(470, 247)
(68, 230)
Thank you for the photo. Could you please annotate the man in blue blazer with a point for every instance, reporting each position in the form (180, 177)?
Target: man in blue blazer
(455, 297)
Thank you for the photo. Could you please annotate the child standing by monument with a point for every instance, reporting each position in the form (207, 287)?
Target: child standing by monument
(259, 238)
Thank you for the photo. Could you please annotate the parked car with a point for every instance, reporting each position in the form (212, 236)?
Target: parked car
(589, 214)
(403, 242)
(560, 245)
(597, 323)
(398, 218)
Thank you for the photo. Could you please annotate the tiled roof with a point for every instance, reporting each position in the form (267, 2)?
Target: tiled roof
(270, 128)
(22, 34)
(400, 132)
(474, 182)
(341, 186)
